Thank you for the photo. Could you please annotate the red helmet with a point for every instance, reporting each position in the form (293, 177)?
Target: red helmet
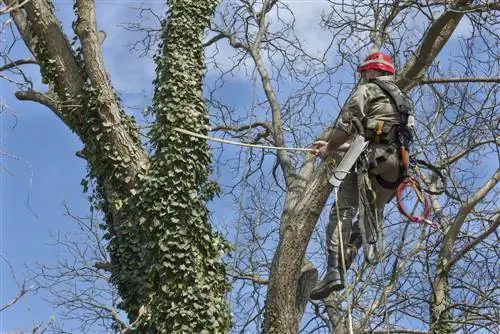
(377, 61)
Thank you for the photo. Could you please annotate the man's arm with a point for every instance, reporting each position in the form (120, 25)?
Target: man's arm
(354, 107)
(338, 141)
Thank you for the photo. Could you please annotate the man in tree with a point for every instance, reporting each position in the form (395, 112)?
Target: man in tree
(381, 112)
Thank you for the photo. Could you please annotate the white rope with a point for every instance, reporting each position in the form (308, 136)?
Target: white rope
(382, 269)
(342, 255)
(199, 135)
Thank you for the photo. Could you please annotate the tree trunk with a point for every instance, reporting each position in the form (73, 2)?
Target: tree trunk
(303, 206)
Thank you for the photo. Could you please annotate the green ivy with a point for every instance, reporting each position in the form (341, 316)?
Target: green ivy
(170, 258)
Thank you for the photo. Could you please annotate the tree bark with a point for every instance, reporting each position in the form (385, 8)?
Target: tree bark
(303, 206)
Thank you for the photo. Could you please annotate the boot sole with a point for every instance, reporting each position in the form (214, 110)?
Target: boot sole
(325, 291)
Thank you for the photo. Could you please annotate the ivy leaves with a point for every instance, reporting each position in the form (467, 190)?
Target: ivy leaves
(169, 257)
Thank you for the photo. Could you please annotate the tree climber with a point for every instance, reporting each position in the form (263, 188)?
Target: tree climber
(382, 113)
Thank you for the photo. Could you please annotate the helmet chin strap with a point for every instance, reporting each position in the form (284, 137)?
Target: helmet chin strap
(370, 74)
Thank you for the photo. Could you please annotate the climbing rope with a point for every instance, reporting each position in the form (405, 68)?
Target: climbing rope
(423, 217)
(382, 271)
(344, 269)
(199, 135)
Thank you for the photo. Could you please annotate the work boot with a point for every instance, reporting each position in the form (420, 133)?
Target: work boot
(333, 280)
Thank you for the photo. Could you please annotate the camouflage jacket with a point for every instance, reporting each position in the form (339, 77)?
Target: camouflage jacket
(369, 103)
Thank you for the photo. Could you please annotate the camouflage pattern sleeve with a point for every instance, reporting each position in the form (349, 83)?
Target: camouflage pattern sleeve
(355, 106)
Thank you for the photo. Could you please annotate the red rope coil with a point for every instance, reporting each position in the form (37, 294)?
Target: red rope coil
(409, 182)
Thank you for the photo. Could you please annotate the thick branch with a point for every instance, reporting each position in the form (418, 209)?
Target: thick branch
(22, 25)
(493, 227)
(253, 278)
(232, 40)
(17, 63)
(479, 8)
(12, 6)
(398, 331)
(265, 125)
(378, 34)
(427, 81)
(302, 210)
(49, 36)
(47, 99)
(435, 38)
(464, 210)
(86, 30)
(278, 135)
(108, 113)
(108, 267)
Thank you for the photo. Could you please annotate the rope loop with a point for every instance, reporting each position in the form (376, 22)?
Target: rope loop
(413, 184)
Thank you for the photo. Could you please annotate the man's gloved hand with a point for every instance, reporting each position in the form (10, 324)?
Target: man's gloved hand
(319, 149)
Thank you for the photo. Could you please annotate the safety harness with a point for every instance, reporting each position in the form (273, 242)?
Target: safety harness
(400, 137)
(396, 136)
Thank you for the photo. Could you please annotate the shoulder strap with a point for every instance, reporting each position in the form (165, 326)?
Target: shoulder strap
(392, 90)
(403, 105)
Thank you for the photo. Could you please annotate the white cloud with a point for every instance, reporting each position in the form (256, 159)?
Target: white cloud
(130, 73)
(306, 17)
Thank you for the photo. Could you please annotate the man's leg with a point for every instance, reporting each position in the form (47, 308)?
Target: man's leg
(354, 244)
(347, 200)
(389, 170)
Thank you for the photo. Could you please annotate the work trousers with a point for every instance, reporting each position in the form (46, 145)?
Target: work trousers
(348, 201)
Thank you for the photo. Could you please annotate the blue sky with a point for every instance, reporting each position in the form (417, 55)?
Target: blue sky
(40, 171)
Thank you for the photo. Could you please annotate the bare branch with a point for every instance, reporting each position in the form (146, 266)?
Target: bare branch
(265, 125)
(47, 99)
(20, 294)
(452, 159)
(278, 135)
(493, 227)
(224, 35)
(104, 266)
(426, 81)
(22, 25)
(12, 6)
(480, 193)
(17, 63)
(378, 35)
(479, 8)
(21, 286)
(253, 278)
(465, 209)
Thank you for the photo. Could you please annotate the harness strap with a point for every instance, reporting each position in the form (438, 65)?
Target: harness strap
(383, 182)
(387, 184)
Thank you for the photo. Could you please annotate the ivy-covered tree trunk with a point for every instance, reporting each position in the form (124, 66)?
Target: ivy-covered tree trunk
(166, 260)
(167, 248)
